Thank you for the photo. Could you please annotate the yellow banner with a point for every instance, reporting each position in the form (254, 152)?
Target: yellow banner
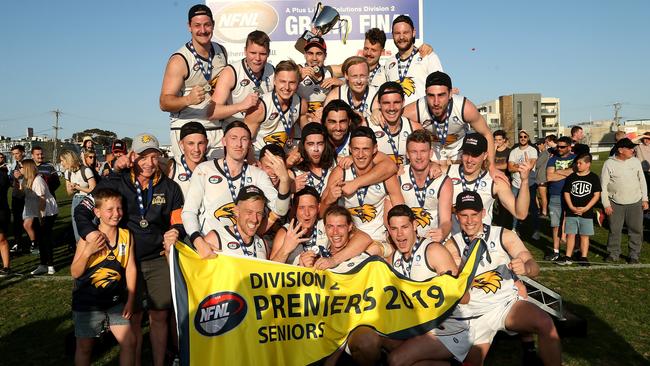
(241, 311)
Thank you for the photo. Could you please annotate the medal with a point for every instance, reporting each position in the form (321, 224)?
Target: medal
(207, 88)
(144, 223)
(249, 72)
(257, 90)
(142, 205)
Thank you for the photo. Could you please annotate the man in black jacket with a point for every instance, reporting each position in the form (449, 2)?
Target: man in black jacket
(152, 206)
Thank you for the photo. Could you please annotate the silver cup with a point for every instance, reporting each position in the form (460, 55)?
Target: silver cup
(325, 19)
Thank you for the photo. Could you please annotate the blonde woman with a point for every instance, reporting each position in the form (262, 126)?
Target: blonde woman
(39, 203)
(79, 181)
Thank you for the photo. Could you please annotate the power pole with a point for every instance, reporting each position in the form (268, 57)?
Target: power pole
(56, 127)
(617, 108)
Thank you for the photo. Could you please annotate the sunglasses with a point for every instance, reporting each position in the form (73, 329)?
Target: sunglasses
(562, 146)
(523, 137)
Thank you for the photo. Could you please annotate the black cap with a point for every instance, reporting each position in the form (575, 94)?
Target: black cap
(199, 9)
(390, 87)
(469, 200)
(364, 131)
(191, 128)
(438, 78)
(316, 41)
(625, 142)
(313, 128)
(118, 146)
(250, 192)
(474, 144)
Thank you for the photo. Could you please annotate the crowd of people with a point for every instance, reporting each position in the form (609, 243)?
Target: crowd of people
(321, 166)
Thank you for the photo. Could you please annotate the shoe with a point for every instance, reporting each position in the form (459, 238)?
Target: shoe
(552, 257)
(50, 270)
(535, 235)
(14, 248)
(41, 269)
(563, 260)
(584, 262)
(633, 261)
(611, 259)
(5, 272)
(600, 217)
(34, 250)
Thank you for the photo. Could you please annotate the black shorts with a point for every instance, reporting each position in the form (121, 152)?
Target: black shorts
(5, 219)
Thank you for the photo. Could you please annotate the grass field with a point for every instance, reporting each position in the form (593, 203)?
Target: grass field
(35, 318)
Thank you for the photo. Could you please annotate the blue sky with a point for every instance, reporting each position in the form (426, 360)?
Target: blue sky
(101, 62)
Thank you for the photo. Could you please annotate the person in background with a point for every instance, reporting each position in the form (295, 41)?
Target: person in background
(524, 151)
(580, 193)
(624, 197)
(617, 136)
(79, 181)
(5, 216)
(544, 148)
(502, 151)
(642, 152)
(577, 147)
(41, 205)
(89, 159)
(46, 170)
(17, 199)
(118, 148)
(557, 169)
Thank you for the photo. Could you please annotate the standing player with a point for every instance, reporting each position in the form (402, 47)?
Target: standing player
(494, 303)
(471, 176)
(193, 143)
(242, 84)
(316, 79)
(409, 68)
(429, 199)
(281, 112)
(355, 91)
(216, 183)
(366, 204)
(190, 76)
(391, 137)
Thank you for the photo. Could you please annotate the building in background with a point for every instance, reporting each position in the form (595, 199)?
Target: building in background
(539, 116)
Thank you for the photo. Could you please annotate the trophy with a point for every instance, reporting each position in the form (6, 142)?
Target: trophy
(324, 20)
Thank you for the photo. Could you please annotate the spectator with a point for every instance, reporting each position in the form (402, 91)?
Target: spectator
(113, 265)
(642, 152)
(90, 161)
(617, 136)
(118, 148)
(577, 147)
(41, 205)
(5, 216)
(46, 170)
(17, 199)
(502, 151)
(79, 181)
(581, 192)
(624, 197)
(517, 156)
(544, 148)
(557, 169)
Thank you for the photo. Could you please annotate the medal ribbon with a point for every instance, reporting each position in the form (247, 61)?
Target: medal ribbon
(373, 73)
(251, 74)
(142, 205)
(420, 194)
(340, 148)
(321, 180)
(442, 128)
(287, 124)
(391, 141)
(206, 74)
(242, 244)
(477, 182)
(402, 71)
(484, 236)
(362, 106)
(188, 172)
(361, 193)
(231, 185)
(312, 240)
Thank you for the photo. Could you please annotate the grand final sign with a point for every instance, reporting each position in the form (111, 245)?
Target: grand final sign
(241, 311)
(286, 20)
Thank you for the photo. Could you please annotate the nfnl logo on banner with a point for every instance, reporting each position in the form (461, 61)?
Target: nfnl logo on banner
(243, 311)
(286, 20)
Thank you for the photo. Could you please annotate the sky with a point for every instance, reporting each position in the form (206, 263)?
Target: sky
(101, 62)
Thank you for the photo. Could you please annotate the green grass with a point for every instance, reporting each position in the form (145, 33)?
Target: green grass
(35, 318)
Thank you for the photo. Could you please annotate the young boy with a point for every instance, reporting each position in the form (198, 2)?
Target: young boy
(105, 276)
(581, 191)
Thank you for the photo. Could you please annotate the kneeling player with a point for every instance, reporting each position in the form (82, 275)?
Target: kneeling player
(494, 302)
(418, 259)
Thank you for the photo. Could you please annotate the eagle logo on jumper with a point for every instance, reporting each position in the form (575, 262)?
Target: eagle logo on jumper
(226, 211)
(277, 138)
(104, 277)
(422, 216)
(397, 159)
(408, 85)
(489, 281)
(314, 106)
(365, 212)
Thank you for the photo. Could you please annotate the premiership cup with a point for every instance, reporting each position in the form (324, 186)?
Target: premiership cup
(324, 20)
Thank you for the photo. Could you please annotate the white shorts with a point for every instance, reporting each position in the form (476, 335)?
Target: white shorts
(485, 327)
(455, 336)
(215, 134)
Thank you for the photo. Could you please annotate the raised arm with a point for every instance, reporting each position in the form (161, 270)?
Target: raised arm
(171, 98)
